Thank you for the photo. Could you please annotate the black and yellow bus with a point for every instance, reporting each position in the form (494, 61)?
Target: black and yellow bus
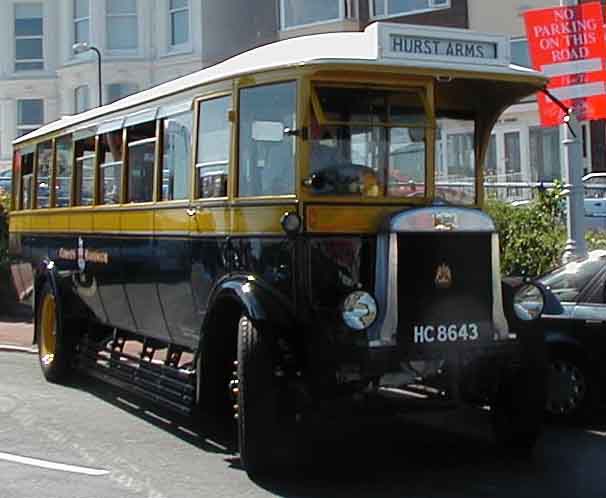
(277, 233)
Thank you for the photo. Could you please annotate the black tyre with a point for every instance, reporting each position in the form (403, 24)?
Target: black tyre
(570, 387)
(518, 409)
(215, 368)
(257, 400)
(56, 342)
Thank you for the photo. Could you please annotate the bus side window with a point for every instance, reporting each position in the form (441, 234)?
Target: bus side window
(111, 167)
(141, 161)
(85, 172)
(267, 154)
(43, 177)
(176, 160)
(27, 181)
(212, 163)
(63, 176)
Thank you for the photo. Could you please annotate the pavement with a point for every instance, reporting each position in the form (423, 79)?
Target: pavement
(16, 330)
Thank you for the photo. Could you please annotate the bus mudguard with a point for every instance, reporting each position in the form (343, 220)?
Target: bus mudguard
(46, 271)
(258, 301)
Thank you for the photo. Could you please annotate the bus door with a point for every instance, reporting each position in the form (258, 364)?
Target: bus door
(172, 244)
(143, 270)
(209, 213)
(109, 272)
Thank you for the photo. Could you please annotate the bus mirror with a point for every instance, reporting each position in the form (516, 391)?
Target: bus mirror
(417, 134)
(315, 181)
(267, 131)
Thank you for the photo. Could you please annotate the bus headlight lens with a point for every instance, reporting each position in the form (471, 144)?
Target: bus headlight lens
(528, 303)
(291, 223)
(359, 310)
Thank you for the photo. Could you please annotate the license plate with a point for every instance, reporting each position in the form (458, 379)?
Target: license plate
(446, 333)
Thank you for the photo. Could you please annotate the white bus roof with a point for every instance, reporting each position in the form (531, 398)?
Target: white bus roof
(383, 44)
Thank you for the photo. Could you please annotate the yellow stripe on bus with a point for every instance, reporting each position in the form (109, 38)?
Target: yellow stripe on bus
(207, 220)
(261, 219)
(173, 219)
(347, 219)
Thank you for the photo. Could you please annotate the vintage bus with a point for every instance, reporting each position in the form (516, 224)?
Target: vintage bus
(281, 232)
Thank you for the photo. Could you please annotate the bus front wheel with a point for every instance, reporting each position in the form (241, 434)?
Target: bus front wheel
(257, 399)
(56, 347)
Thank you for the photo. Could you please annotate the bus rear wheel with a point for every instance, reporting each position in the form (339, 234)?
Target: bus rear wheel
(56, 348)
(257, 399)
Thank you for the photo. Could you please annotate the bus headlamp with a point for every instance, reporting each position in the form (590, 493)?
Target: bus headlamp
(528, 302)
(291, 223)
(359, 310)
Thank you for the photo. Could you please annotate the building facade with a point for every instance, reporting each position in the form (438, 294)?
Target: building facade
(522, 149)
(142, 43)
(146, 42)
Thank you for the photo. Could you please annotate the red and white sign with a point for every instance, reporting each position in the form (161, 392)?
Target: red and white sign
(567, 44)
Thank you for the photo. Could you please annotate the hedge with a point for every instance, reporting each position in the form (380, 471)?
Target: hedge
(533, 237)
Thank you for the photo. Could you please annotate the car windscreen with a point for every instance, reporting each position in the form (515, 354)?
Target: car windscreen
(568, 281)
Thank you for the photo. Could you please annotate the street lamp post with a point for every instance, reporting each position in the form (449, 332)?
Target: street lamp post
(573, 162)
(81, 47)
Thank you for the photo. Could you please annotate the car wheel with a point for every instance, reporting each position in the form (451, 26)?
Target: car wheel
(56, 343)
(569, 387)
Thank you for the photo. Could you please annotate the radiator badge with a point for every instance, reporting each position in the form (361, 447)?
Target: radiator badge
(443, 278)
(445, 221)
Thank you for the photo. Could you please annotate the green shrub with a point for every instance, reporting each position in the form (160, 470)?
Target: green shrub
(596, 239)
(532, 237)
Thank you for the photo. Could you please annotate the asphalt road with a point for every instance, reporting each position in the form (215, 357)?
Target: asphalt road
(119, 446)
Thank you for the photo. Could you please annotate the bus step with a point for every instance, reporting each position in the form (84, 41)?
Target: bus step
(159, 383)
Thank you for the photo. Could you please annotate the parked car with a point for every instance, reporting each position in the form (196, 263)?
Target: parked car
(594, 185)
(6, 181)
(576, 336)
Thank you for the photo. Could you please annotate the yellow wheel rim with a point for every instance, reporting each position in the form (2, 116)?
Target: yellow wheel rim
(48, 330)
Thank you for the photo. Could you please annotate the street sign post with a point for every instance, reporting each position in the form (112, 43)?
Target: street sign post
(567, 44)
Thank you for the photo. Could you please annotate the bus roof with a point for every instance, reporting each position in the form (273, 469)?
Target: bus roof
(381, 44)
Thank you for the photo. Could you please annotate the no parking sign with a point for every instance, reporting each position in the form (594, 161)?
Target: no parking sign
(567, 44)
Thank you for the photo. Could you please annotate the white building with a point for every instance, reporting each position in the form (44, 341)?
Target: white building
(142, 42)
(146, 42)
(522, 150)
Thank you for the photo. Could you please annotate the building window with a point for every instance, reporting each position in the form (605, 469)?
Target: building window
(30, 115)
(295, 13)
(81, 21)
(117, 91)
(519, 52)
(456, 162)
(28, 37)
(513, 157)
(178, 12)
(122, 32)
(384, 8)
(545, 153)
(81, 99)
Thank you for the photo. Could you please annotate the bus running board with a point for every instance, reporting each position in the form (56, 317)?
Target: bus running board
(164, 384)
